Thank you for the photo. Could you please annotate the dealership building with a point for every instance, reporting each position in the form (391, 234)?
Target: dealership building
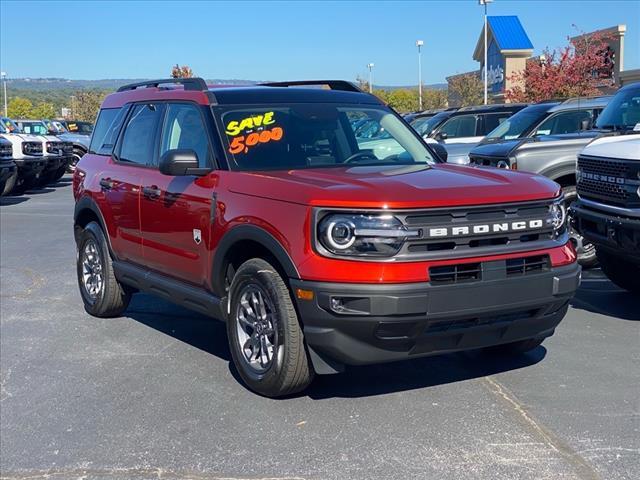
(509, 49)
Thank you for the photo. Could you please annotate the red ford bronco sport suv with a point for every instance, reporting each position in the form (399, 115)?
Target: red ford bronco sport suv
(259, 206)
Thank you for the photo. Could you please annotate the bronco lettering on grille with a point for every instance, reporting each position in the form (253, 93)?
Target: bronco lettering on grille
(484, 228)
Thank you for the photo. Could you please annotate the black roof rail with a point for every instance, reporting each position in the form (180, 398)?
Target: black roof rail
(332, 84)
(194, 83)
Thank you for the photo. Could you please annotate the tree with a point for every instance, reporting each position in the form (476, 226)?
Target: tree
(181, 71)
(433, 98)
(403, 100)
(19, 108)
(575, 70)
(43, 110)
(85, 104)
(362, 83)
(466, 89)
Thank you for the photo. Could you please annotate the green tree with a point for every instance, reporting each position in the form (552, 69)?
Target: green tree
(403, 100)
(433, 98)
(466, 90)
(43, 110)
(19, 108)
(85, 104)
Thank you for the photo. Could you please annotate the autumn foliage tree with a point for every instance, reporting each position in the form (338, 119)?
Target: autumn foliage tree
(575, 70)
(181, 71)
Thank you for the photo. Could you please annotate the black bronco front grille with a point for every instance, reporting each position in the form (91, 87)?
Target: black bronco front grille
(613, 181)
(480, 230)
(6, 151)
(487, 161)
(464, 272)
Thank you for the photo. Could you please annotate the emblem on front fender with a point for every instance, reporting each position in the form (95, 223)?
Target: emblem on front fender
(197, 236)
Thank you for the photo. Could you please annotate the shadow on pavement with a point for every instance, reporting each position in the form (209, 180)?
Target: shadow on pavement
(597, 294)
(202, 332)
(210, 336)
(12, 200)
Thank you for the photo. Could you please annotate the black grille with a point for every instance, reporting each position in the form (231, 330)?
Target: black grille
(464, 272)
(613, 181)
(527, 265)
(453, 239)
(487, 161)
(6, 151)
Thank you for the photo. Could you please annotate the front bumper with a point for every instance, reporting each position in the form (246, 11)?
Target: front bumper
(401, 321)
(30, 167)
(615, 233)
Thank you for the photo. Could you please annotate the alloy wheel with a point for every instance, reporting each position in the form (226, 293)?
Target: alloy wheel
(92, 278)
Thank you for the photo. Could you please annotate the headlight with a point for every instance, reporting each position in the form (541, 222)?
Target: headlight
(32, 148)
(557, 215)
(362, 234)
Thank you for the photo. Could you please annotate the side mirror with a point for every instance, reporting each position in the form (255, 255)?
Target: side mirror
(441, 136)
(585, 124)
(181, 162)
(440, 151)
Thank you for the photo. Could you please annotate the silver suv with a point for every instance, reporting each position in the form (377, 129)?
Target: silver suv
(546, 138)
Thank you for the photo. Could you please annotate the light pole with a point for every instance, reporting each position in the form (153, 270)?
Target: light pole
(370, 67)
(419, 44)
(485, 3)
(4, 86)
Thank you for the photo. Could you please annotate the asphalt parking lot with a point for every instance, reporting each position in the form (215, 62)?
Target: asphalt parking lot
(153, 395)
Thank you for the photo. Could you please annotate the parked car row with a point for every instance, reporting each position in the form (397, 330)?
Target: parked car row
(34, 153)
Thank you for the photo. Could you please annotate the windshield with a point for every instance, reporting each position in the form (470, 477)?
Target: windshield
(34, 128)
(425, 125)
(10, 125)
(2, 128)
(84, 128)
(518, 124)
(622, 112)
(300, 136)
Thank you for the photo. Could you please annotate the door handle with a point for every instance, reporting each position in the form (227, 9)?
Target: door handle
(151, 192)
(106, 183)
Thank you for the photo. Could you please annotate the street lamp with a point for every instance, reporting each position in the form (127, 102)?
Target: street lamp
(485, 3)
(4, 85)
(370, 67)
(419, 44)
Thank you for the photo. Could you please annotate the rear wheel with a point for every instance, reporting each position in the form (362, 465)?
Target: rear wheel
(265, 338)
(624, 274)
(586, 251)
(102, 294)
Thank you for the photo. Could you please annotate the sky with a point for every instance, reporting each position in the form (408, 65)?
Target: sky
(281, 40)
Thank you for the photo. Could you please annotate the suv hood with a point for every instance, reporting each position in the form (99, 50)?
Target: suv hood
(75, 138)
(504, 148)
(408, 186)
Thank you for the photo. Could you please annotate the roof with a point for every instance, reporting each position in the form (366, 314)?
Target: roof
(238, 95)
(581, 102)
(508, 33)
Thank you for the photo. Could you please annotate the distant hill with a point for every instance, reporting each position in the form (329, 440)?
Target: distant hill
(47, 84)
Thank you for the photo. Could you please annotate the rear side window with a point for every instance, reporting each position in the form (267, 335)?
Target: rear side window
(491, 121)
(462, 126)
(138, 140)
(106, 130)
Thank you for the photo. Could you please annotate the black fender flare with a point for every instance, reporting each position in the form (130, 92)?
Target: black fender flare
(87, 203)
(554, 173)
(258, 235)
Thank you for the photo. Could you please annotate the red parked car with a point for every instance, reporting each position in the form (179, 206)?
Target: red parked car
(260, 207)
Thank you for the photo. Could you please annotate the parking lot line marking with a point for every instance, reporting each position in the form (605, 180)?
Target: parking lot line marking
(583, 468)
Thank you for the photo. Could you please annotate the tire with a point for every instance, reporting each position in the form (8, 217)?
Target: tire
(46, 179)
(516, 348)
(9, 184)
(109, 298)
(586, 250)
(59, 173)
(22, 185)
(287, 369)
(77, 155)
(623, 273)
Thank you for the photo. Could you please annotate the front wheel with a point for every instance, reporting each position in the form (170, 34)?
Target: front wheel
(623, 273)
(265, 338)
(102, 294)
